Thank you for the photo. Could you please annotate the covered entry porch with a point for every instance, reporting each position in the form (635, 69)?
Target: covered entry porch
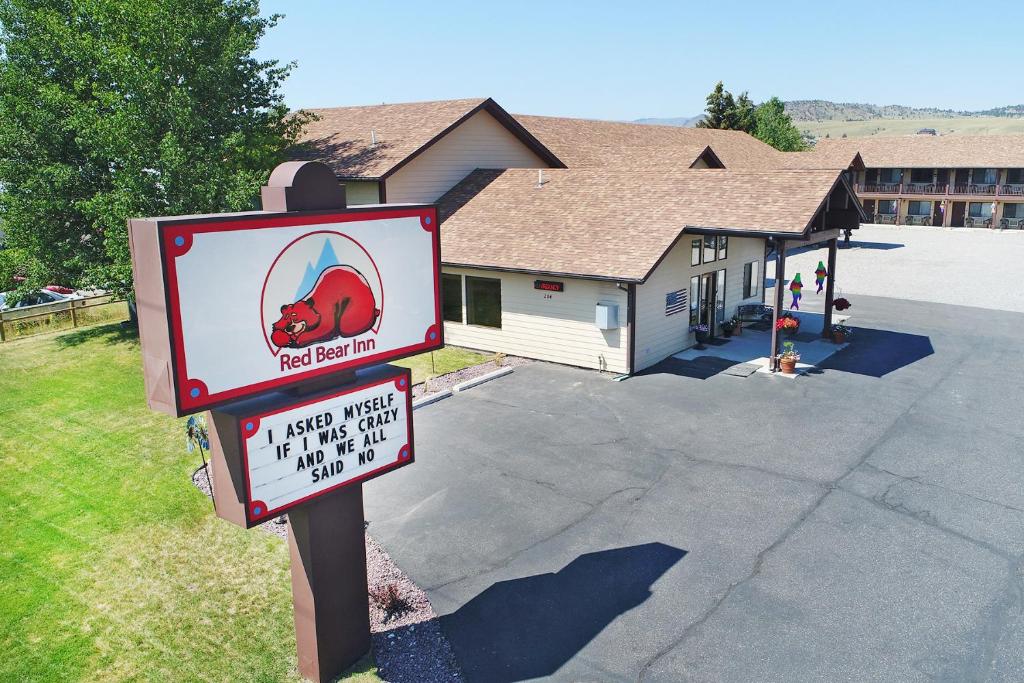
(760, 343)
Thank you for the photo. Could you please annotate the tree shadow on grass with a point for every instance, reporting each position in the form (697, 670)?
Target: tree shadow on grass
(116, 333)
(525, 628)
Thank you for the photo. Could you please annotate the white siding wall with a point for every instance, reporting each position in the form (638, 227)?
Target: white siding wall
(361, 192)
(480, 142)
(658, 335)
(560, 329)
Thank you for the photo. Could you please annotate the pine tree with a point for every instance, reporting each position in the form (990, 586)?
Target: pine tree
(721, 109)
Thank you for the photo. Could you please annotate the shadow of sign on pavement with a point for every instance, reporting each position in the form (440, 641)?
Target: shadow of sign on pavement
(525, 628)
(876, 353)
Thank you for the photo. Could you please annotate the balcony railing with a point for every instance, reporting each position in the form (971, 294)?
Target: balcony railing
(884, 188)
(926, 188)
(976, 189)
(972, 189)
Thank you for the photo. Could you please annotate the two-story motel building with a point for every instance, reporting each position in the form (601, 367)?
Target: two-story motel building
(951, 181)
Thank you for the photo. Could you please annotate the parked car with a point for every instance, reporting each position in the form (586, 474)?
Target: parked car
(38, 298)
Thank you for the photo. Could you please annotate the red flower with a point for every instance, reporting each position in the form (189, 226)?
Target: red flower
(787, 324)
(841, 304)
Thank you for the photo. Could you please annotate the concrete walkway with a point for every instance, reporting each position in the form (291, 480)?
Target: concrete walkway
(753, 346)
(867, 525)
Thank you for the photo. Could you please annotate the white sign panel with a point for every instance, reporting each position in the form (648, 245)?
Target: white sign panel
(293, 454)
(256, 303)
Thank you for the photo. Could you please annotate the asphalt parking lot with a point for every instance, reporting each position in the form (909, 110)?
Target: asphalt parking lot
(862, 523)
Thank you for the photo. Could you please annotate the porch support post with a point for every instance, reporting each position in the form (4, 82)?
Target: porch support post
(780, 280)
(826, 330)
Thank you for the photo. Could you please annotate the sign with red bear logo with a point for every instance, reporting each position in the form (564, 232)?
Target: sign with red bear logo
(252, 302)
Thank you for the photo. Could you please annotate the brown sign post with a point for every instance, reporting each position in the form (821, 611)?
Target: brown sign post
(277, 321)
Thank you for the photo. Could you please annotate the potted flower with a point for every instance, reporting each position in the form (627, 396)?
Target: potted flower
(841, 304)
(840, 333)
(728, 327)
(788, 324)
(788, 358)
(701, 332)
(737, 325)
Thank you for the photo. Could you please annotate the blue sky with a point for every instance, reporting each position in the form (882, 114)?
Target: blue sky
(628, 60)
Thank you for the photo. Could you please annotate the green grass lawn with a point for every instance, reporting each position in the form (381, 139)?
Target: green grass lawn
(981, 125)
(448, 359)
(112, 564)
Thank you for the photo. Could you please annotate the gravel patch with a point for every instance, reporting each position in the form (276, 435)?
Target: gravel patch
(442, 382)
(409, 647)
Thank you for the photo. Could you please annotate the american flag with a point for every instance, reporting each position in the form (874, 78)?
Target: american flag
(675, 302)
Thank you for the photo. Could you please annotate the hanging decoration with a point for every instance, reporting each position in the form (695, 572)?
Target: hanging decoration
(820, 273)
(794, 288)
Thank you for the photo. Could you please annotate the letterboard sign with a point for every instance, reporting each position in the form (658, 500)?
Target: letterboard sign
(295, 453)
(244, 304)
(549, 285)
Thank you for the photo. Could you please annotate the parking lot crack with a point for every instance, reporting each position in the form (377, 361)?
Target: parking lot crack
(786, 533)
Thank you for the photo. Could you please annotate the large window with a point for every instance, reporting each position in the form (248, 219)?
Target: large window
(751, 279)
(921, 175)
(694, 301)
(1015, 176)
(723, 247)
(451, 297)
(890, 176)
(483, 301)
(983, 176)
(887, 207)
(710, 248)
(980, 210)
(1013, 211)
(719, 296)
(920, 209)
(695, 248)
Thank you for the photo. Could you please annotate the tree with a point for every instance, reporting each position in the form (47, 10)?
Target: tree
(117, 108)
(721, 109)
(775, 127)
(727, 113)
(745, 114)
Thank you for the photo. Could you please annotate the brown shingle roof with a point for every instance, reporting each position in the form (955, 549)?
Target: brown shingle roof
(930, 151)
(341, 138)
(588, 143)
(829, 158)
(614, 224)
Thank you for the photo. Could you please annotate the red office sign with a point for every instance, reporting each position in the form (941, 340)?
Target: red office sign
(549, 285)
(243, 304)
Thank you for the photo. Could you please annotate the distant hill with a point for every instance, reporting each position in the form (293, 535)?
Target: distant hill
(684, 121)
(824, 110)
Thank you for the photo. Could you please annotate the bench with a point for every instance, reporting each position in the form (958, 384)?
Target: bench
(754, 313)
(1016, 223)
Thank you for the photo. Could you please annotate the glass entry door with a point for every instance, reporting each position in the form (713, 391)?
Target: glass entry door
(711, 310)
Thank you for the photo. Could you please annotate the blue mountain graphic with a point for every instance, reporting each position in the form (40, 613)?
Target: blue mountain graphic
(327, 259)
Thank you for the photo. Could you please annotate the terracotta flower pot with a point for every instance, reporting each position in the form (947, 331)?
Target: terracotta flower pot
(839, 337)
(788, 365)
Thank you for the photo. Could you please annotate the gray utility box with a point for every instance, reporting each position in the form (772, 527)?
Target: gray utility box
(607, 316)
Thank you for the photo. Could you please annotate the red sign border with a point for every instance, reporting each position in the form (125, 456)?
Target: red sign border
(403, 375)
(169, 230)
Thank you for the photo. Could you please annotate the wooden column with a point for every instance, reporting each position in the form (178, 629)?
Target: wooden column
(332, 614)
(826, 330)
(780, 280)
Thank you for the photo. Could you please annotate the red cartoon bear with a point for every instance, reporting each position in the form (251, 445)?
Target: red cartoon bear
(341, 304)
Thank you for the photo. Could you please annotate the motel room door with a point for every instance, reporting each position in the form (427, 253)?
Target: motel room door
(712, 299)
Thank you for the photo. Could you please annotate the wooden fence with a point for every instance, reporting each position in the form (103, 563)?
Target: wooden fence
(60, 315)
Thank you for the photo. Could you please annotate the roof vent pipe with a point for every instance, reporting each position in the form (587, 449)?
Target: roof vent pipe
(373, 137)
(540, 177)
